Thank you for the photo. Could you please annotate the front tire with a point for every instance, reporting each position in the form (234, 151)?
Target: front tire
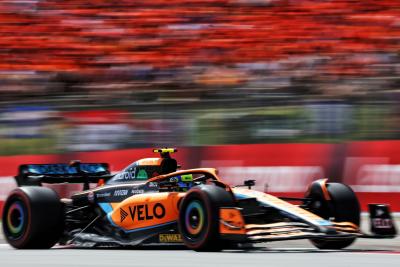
(199, 217)
(343, 207)
(33, 218)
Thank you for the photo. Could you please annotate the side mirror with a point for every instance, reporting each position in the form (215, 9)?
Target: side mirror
(249, 183)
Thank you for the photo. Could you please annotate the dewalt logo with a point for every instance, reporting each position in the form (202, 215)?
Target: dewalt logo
(170, 238)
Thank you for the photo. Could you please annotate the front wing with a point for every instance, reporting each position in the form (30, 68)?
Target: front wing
(233, 227)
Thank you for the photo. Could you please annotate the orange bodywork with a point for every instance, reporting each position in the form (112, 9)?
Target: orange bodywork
(145, 210)
(280, 204)
(324, 188)
(149, 162)
(231, 221)
(152, 209)
(323, 182)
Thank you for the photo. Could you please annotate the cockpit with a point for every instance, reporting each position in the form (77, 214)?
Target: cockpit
(147, 168)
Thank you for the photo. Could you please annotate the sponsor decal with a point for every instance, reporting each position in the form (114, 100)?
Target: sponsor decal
(147, 212)
(106, 194)
(379, 212)
(137, 191)
(123, 214)
(187, 177)
(153, 184)
(142, 175)
(90, 197)
(126, 175)
(120, 192)
(381, 223)
(170, 238)
(132, 174)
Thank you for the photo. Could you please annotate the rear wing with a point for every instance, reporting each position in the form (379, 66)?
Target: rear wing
(75, 172)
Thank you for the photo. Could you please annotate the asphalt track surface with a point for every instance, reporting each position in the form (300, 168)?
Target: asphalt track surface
(363, 253)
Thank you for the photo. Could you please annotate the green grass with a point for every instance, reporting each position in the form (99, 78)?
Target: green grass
(27, 146)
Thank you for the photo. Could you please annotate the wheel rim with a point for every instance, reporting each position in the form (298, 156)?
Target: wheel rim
(194, 218)
(15, 219)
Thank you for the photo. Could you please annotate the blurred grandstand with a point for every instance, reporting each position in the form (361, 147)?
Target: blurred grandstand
(97, 75)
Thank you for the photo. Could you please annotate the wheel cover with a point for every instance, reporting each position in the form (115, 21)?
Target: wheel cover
(194, 218)
(16, 219)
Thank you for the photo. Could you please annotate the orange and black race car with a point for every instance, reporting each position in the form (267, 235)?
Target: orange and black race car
(151, 202)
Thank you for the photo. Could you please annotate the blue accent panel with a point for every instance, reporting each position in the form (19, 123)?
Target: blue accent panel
(324, 223)
(106, 207)
(241, 196)
(65, 169)
(112, 222)
(149, 227)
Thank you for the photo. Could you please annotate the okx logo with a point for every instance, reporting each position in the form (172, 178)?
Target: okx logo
(123, 214)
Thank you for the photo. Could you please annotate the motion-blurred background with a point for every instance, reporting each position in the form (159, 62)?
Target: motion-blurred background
(281, 91)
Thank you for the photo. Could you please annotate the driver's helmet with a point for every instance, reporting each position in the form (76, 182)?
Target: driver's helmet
(184, 181)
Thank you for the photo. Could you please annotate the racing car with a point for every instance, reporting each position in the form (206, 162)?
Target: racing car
(153, 202)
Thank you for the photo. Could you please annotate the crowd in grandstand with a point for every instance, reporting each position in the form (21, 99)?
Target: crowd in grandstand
(133, 51)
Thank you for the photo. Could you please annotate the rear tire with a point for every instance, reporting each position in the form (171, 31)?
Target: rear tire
(33, 218)
(343, 207)
(199, 217)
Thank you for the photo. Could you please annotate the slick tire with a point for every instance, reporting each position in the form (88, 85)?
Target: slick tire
(33, 218)
(199, 217)
(343, 207)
